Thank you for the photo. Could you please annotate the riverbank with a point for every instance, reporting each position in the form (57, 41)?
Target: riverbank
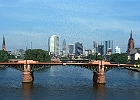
(1, 66)
(137, 69)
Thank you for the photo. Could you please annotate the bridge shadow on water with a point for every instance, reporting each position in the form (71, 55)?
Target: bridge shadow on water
(100, 89)
(26, 90)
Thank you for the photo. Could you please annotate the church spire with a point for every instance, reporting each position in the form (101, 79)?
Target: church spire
(131, 34)
(3, 44)
(130, 44)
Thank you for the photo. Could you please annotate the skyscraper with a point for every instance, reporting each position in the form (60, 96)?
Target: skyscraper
(3, 44)
(101, 49)
(64, 49)
(108, 45)
(70, 49)
(78, 49)
(95, 46)
(54, 45)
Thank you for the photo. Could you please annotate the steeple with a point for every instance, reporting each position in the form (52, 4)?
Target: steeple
(131, 35)
(130, 44)
(3, 44)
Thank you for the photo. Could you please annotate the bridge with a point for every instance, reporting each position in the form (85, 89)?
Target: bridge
(98, 67)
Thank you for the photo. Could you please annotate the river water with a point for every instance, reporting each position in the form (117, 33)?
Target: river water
(69, 83)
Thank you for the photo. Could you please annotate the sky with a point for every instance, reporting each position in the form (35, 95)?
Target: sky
(23, 22)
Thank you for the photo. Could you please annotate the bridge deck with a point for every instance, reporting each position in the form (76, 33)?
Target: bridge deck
(67, 63)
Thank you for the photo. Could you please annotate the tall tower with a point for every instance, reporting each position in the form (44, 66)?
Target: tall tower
(3, 44)
(70, 49)
(108, 46)
(64, 49)
(95, 46)
(130, 44)
(78, 49)
(54, 45)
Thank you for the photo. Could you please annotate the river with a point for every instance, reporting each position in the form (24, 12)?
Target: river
(69, 83)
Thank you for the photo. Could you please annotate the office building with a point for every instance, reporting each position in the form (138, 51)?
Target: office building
(117, 50)
(64, 48)
(54, 45)
(78, 49)
(95, 46)
(101, 49)
(70, 49)
(108, 46)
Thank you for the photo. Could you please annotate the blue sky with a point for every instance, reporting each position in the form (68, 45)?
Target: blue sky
(26, 21)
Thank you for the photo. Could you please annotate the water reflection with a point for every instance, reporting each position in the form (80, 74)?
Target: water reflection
(100, 89)
(26, 88)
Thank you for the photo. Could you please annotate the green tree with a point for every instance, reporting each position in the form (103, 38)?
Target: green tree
(37, 55)
(119, 58)
(4, 56)
(91, 57)
(95, 57)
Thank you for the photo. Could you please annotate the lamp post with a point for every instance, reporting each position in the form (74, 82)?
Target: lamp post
(101, 55)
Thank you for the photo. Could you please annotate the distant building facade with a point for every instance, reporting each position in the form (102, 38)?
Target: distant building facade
(100, 49)
(87, 52)
(117, 50)
(95, 47)
(64, 48)
(19, 53)
(54, 45)
(108, 45)
(70, 49)
(135, 56)
(78, 49)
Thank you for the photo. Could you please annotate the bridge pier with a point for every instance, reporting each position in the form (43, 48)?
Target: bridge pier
(99, 76)
(28, 76)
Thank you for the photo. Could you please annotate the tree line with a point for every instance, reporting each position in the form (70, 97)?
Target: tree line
(43, 56)
(115, 58)
(30, 54)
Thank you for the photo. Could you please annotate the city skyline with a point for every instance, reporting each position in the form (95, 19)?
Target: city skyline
(106, 46)
(26, 21)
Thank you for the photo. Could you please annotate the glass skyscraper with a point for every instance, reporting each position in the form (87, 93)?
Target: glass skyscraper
(78, 49)
(70, 49)
(108, 45)
(54, 45)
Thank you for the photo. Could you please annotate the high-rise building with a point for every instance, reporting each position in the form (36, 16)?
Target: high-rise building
(78, 49)
(54, 45)
(95, 46)
(3, 44)
(108, 45)
(64, 47)
(130, 44)
(70, 49)
(117, 50)
(87, 52)
(101, 49)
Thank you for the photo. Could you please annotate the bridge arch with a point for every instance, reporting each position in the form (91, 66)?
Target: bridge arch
(97, 67)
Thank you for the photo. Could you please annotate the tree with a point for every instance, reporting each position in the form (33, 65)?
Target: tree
(119, 58)
(37, 55)
(4, 56)
(91, 57)
(94, 57)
